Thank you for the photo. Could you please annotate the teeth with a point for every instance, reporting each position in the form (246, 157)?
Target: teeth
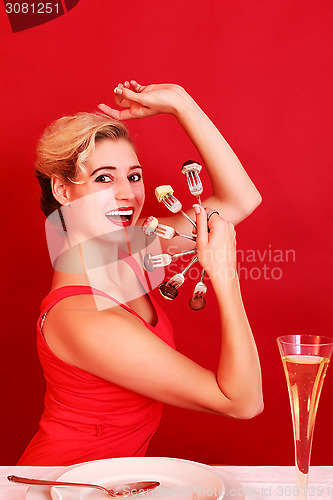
(120, 212)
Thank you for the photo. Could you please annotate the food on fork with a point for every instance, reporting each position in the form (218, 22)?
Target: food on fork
(162, 191)
(147, 263)
(168, 291)
(149, 225)
(164, 194)
(191, 170)
(191, 166)
(197, 303)
(150, 262)
(168, 233)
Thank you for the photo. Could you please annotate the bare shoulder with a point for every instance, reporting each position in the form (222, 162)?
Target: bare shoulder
(112, 344)
(76, 323)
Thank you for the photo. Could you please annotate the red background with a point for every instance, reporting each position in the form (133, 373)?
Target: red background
(262, 70)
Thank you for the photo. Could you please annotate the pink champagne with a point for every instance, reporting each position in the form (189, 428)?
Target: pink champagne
(305, 376)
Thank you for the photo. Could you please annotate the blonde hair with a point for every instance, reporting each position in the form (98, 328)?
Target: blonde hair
(66, 145)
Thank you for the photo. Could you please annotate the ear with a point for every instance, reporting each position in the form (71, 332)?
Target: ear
(60, 190)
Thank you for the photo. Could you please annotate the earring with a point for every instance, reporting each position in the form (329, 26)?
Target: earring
(62, 220)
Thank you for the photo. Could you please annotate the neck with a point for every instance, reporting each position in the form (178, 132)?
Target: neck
(88, 263)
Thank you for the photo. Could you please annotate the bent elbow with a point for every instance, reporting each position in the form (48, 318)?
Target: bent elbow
(259, 199)
(252, 412)
(246, 412)
(253, 204)
(249, 207)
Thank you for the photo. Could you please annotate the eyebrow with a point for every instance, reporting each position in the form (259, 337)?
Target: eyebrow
(113, 168)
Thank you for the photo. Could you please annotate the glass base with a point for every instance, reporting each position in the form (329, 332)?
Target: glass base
(302, 484)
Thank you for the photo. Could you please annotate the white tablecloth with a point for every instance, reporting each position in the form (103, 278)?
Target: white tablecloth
(269, 483)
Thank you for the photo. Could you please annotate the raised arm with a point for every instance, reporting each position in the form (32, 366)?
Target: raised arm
(234, 194)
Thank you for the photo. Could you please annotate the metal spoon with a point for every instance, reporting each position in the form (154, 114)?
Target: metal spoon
(130, 489)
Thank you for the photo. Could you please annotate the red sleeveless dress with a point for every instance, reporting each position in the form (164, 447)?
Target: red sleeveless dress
(86, 417)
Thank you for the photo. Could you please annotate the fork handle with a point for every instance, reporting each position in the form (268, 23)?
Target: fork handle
(193, 261)
(193, 238)
(188, 218)
(186, 252)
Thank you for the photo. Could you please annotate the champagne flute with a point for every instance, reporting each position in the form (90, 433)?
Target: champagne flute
(305, 360)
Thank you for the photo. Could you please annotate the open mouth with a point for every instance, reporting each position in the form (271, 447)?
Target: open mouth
(122, 216)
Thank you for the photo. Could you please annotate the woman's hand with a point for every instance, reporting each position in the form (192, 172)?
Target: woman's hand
(216, 248)
(142, 101)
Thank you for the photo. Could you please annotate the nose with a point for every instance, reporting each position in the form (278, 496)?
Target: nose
(123, 190)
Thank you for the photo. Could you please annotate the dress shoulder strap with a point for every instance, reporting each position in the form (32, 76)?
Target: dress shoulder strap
(69, 291)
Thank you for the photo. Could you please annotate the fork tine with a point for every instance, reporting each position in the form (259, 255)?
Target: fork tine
(172, 203)
(177, 280)
(200, 288)
(166, 232)
(194, 182)
(160, 229)
(193, 178)
(161, 260)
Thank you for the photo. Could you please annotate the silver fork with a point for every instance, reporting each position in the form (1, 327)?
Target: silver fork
(191, 170)
(150, 262)
(198, 301)
(200, 288)
(178, 279)
(168, 233)
(174, 205)
(169, 288)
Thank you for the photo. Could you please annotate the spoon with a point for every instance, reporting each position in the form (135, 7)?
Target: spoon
(130, 489)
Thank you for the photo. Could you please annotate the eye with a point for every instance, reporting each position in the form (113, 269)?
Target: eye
(135, 177)
(103, 178)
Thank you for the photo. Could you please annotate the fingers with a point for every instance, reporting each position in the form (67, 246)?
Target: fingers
(213, 217)
(126, 114)
(201, 220)
(131, 95)
(136, 86)
(114, 113)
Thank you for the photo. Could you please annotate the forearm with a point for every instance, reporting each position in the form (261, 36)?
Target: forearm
(230, 182)
(239, 374)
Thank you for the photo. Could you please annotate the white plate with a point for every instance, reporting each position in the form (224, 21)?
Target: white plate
(233, 488)
(180, 479)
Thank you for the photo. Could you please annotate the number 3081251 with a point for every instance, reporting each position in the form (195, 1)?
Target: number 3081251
(32, 8)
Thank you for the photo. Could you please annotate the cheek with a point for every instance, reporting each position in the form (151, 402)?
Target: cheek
(140, 195)
(89, 210)
(77, 191)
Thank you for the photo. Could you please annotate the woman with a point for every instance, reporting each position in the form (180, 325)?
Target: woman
(105, 346)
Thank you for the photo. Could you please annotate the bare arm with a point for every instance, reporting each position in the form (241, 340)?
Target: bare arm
(234, 194)
(115, 345)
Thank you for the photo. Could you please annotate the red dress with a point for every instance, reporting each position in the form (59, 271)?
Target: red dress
(86, 417)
